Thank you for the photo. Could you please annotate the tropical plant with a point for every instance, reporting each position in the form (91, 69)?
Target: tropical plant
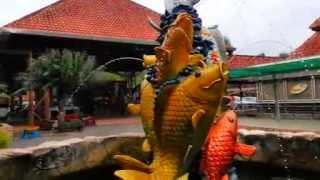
(64, 70)
(5, 138)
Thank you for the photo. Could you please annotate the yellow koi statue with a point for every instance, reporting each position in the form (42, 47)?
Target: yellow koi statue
(181, 113)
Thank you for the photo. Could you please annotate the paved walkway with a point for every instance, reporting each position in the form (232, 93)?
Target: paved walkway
(284, 124)
(116, 126)
(105, 127)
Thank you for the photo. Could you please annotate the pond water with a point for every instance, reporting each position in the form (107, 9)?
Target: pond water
(245, 171)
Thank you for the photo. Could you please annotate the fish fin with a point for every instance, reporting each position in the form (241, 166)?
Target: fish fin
(149, 60)
(127, 162)
(184, 177)
(146, 147)
(245, 150)
(134, 109)
(197, 59)
(132, 175)
(197, 116)
(186, 155)
(213, 82)
(225, 177)
(162, 54)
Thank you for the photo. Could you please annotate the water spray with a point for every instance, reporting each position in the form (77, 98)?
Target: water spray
(100, 68)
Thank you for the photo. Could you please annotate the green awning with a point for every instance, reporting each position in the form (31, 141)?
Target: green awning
(287, 66)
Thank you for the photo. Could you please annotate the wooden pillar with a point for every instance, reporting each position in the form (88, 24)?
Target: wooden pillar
(276, 98)
(313, 87)
(46, 104)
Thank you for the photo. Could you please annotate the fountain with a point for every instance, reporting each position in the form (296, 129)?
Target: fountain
(181, 97)
(187, 121)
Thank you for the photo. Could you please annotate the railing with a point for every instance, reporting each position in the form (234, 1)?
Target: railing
(287, 110)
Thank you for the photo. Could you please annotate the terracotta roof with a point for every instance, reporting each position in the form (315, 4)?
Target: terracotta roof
(113, 19)
(311, 46)
(241, 61)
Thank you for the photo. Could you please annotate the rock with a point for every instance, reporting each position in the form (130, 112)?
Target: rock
(57, 158)
(298, 150)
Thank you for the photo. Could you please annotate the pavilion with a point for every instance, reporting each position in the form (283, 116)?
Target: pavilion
(289, 86)
(105, 29)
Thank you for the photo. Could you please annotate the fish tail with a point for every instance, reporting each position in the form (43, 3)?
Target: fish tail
(127, 162)
(132, 175)
(133, 168)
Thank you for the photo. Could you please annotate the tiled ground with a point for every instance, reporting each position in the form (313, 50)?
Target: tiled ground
(116, 126)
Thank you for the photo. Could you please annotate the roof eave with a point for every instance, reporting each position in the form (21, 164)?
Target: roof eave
(6, 30)
(261, 70)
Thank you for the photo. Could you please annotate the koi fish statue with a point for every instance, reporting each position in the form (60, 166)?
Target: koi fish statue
(174, 54)
(177, 118)
(180, 112)
(170, 59)
(221, 146)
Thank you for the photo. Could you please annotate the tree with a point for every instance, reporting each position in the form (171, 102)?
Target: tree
(63, 70)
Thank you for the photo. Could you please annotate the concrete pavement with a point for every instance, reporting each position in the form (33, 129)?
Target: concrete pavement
(114, 126)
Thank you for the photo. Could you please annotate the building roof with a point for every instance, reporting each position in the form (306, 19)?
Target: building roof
(106, 19)
(311, 46)
(285, 66)
(241, 61)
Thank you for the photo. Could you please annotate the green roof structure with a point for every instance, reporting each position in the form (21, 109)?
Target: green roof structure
(286, 66)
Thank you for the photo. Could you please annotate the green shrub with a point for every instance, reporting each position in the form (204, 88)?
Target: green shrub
(70, 126)
(5, 138)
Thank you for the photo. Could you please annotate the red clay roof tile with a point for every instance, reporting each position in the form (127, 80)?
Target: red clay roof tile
(311, 46)
(120, 19)
(241, 61)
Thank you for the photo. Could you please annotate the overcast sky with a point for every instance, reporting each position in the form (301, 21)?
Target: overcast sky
(253, 26)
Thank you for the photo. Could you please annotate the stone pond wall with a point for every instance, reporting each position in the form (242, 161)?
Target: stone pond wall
(299, 150)
(54, 159)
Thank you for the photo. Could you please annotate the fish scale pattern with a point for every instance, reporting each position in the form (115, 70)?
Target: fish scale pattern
(177, 127)
(166, 164)
(147, 110)
(218, 154)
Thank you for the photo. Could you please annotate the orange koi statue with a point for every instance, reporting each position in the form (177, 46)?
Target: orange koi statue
(183, 109)
(172, 118)
(221, 146)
